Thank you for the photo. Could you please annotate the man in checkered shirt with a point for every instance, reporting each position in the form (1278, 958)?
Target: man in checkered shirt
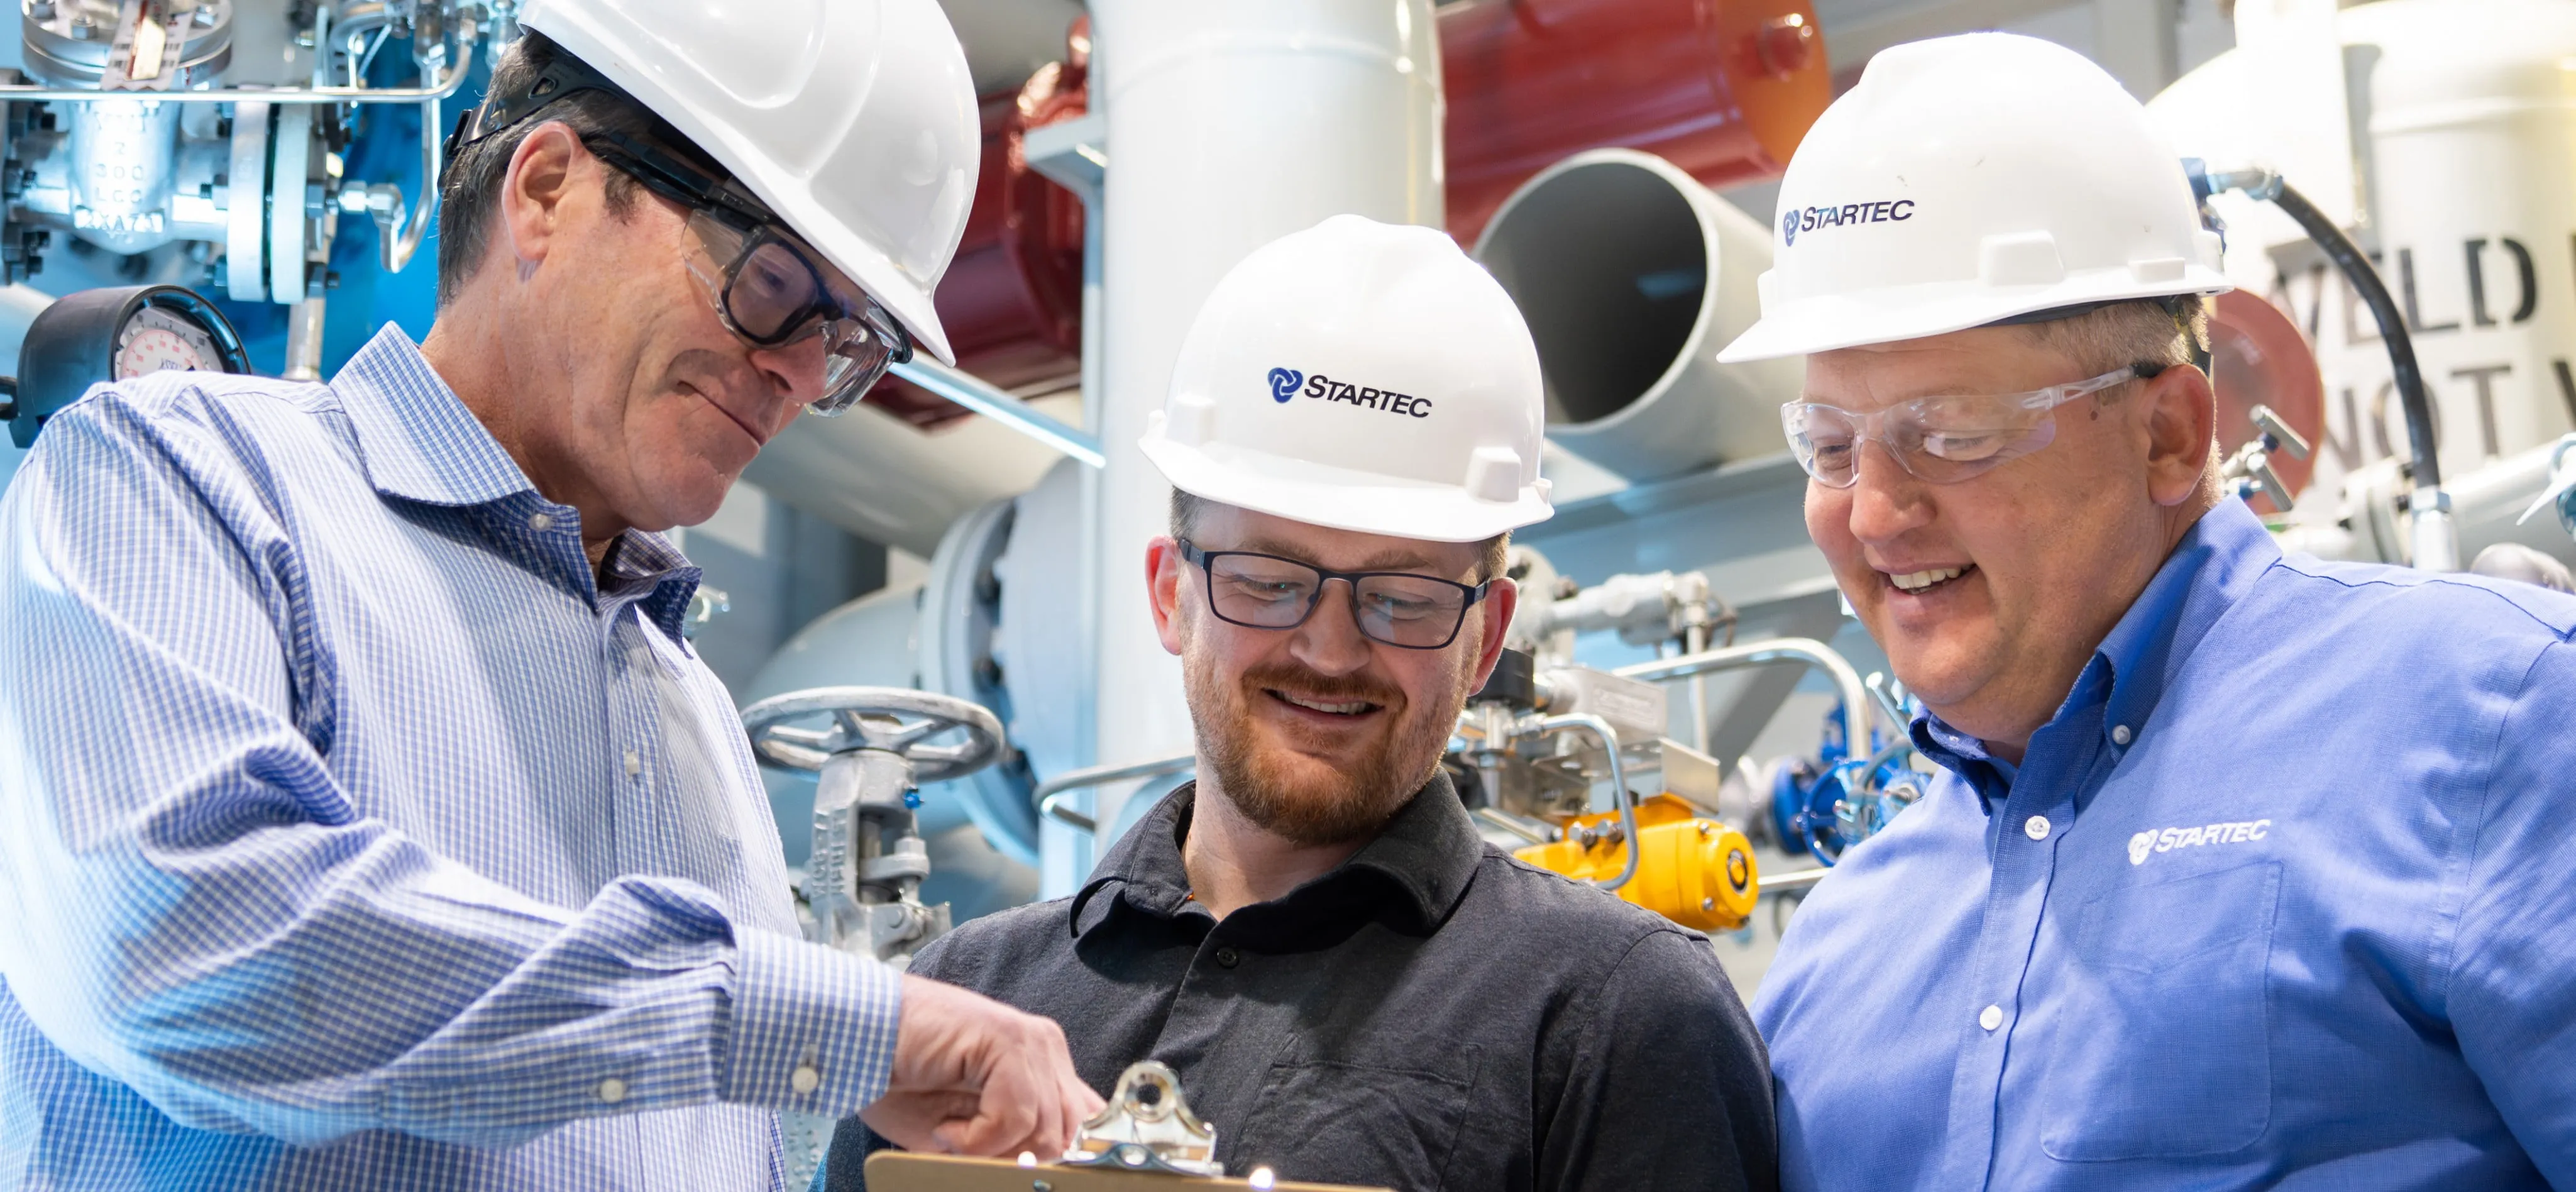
(365, 820)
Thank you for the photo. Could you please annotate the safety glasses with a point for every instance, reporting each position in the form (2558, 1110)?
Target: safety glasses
(1942, 439)
(1399, 608)
(771, 294)
(767, 288)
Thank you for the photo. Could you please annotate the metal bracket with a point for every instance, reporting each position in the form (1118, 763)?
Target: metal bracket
(1073, 154)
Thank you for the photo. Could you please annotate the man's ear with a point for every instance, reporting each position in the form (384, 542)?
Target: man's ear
(2181, 425)
(1165, 570)
(534, 190)
(1499, 603)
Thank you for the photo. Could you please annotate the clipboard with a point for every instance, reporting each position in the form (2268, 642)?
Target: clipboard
(902, 1171)
(1145, 1140)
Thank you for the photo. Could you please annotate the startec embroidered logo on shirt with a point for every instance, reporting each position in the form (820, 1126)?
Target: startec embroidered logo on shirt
(2153, 841)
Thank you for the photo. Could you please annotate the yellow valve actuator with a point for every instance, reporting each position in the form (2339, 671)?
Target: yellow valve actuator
(1691, 869)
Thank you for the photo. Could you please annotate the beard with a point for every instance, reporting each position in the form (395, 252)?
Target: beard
(1314, 804)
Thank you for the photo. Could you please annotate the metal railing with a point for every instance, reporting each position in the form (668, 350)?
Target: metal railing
(1050, 794)
(1855, 695)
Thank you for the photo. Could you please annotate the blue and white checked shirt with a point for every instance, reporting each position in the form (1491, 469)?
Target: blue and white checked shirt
(351, 837)
(2283, 897)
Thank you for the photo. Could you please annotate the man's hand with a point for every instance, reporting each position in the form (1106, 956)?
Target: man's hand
(975, 1077)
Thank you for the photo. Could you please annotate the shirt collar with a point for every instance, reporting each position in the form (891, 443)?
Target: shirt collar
(643, 561)
(2217, 560)
(416, 438)
(1425, 856)
(2208, 571)
(419, 441)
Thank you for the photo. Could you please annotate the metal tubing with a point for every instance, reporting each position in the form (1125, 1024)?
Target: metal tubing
(302, 95)
(396, 251)
(976, 394)
(1855, 696)
(304, 322)
(1695, 641)
(1609, 739)
(1049, 794)
(1802, 879)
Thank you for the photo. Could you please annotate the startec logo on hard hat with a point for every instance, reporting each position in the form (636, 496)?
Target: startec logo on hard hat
(1284, 383)
(1808, 219)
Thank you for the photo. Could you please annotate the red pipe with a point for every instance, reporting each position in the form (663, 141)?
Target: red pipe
(1722, 88)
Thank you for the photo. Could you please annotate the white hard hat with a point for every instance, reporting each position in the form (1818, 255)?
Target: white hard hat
(1361, 376)
(855, 120)
(1972, 180)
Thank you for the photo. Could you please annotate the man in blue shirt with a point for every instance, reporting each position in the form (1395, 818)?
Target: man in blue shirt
(364, 820)
(2241, 870)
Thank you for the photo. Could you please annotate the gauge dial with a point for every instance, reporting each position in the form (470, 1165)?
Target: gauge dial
(158, 338)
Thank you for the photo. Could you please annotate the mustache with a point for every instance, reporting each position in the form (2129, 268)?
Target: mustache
(1328, 688)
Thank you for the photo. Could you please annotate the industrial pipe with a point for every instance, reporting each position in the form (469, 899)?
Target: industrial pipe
(1632, 276)
(1855, 695)
(1724, 89)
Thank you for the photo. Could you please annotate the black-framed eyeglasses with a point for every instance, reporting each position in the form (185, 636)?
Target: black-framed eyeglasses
(1399, 608)
(766, 286)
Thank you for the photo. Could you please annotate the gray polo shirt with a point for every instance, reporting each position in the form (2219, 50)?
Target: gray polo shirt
(1433, 1014)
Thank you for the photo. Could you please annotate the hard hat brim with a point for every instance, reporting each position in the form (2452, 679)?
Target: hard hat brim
(1341, 499)
(1828, 322)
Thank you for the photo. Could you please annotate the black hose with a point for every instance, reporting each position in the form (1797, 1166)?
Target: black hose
(2358, 270)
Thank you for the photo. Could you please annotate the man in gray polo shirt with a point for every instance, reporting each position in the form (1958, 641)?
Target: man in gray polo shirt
(1353, 987)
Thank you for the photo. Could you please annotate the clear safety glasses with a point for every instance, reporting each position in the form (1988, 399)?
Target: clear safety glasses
(770, 293)
(1942, 439)
(1399, 608)
(768, 288)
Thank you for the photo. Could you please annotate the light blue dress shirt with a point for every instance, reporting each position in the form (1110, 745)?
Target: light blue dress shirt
(352, 836)
(2284, 896)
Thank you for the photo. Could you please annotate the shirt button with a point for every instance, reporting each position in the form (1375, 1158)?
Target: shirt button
(1228, 957)
(804, 1079)
(541, 521)
(2036, 827)
(612, 1090)
(634, 763)
(2120, 734)
(1991, 1017)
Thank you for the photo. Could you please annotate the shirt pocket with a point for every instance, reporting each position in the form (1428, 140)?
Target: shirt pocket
(2163, 1039)
(1381, 1121)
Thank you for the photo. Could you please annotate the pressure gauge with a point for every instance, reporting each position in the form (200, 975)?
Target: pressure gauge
(115, 334)
(158, 338)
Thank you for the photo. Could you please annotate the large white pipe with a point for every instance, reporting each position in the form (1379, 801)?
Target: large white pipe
(1230, 124)
(1633, 276)
(888, 481)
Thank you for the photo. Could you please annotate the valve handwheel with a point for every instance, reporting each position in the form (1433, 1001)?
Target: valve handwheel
(894, 719)
(870, 751)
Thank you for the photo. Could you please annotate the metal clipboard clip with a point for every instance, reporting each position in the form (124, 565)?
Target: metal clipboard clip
(1147, 1126)
(1145, 1140)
